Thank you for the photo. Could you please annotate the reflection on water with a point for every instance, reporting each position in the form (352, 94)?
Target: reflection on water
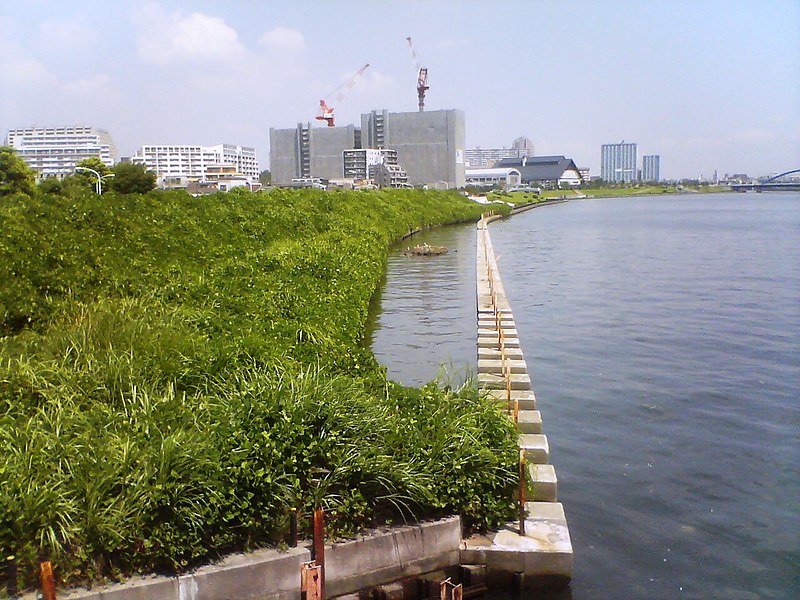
(422, 321)
(663, 337)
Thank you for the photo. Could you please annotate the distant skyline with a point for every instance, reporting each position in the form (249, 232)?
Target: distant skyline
(707, 85)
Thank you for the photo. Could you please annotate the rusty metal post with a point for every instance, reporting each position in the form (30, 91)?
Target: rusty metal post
(319, 546)
(443, 589)
(48, 583)
(522, 492)
(310, 581)
(293, 528)
(457, 592)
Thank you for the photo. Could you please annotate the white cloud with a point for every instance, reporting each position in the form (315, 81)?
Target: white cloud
(283, 39)
(99, 85)
(169, 38)
(22, 71)
(68, 35)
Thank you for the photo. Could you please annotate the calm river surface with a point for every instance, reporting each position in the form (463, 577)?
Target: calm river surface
(663, 337)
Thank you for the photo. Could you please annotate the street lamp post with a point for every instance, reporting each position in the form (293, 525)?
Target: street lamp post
(99, 185)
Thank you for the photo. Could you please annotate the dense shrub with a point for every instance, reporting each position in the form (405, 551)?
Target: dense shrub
(176, 374)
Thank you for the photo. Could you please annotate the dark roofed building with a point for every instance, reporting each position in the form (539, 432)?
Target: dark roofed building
(545, 171)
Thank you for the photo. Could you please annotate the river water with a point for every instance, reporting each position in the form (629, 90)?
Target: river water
(663, 338)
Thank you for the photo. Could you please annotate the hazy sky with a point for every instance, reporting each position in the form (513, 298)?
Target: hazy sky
(707, 84)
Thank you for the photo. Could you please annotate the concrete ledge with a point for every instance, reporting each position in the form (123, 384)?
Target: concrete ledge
(544, 482)
(387, 556)
(527, 400)
(536, 448)
(530, 421)
(519, 381)
(488, 353)
(494, 342)
(491, 332)
(496, 366)
(257, 575)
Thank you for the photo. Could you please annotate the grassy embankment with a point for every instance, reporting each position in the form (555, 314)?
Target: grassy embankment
(177, 374)
(612, 192)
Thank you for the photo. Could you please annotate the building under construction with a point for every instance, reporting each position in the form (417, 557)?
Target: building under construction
(429, 146)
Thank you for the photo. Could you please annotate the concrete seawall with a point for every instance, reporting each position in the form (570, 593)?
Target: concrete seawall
(542, 555)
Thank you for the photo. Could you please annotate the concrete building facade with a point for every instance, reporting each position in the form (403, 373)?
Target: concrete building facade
(305, 151)
(430, 145)
(651, 167)
(177, 165)
(618, 162)
(55, 151)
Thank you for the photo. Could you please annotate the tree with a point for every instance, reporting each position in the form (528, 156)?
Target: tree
(265, 177)
(15, 175)
(132, 179)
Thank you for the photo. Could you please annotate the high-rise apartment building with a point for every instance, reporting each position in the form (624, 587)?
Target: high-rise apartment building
(55, 151)
(429, 146)
(651, 167)
(484, 158)
(618, 162)
(177, 165)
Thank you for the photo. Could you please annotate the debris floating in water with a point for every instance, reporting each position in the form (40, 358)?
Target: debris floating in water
(425, 250)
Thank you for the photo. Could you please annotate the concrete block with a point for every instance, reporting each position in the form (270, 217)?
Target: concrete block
(535, 446)
(493, 342)
(544, 482)
(489, 353)
(496, 365)
(519, 381)
(527, 399)
(530, 421)
(490, 332)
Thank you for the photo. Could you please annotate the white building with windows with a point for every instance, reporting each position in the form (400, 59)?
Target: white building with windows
(54, 151)
(506, 177)
(179, 165)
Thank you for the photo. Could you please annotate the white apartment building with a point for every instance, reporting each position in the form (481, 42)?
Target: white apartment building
(177, 166)
(54, 151)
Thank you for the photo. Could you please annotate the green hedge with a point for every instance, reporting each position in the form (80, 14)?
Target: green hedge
(178, 373)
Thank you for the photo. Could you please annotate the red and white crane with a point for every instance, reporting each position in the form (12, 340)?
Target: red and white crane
(325, 111)
(422, 77)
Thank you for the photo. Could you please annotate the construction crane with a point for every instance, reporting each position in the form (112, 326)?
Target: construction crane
(422, 77)
(325, 111)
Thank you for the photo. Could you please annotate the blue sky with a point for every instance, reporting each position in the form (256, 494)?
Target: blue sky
(709, 85)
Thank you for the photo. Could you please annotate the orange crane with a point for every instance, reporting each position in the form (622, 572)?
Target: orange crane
(422, 77)
(325, 111)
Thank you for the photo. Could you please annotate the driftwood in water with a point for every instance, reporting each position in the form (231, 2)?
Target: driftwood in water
(425, 250)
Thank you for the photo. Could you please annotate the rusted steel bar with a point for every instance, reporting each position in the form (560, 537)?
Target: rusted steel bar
(319, 545)
(48, 583)
(311, 581)
(522, 492)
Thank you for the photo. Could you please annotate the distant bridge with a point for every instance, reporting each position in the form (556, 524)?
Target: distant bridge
(771, 184)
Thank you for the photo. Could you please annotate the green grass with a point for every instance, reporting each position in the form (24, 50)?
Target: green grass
(177, 374)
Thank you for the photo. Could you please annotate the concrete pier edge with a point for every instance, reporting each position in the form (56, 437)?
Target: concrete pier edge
(543, 555)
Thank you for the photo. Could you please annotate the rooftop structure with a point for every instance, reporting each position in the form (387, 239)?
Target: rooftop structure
(55, 151)
(178, 165)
